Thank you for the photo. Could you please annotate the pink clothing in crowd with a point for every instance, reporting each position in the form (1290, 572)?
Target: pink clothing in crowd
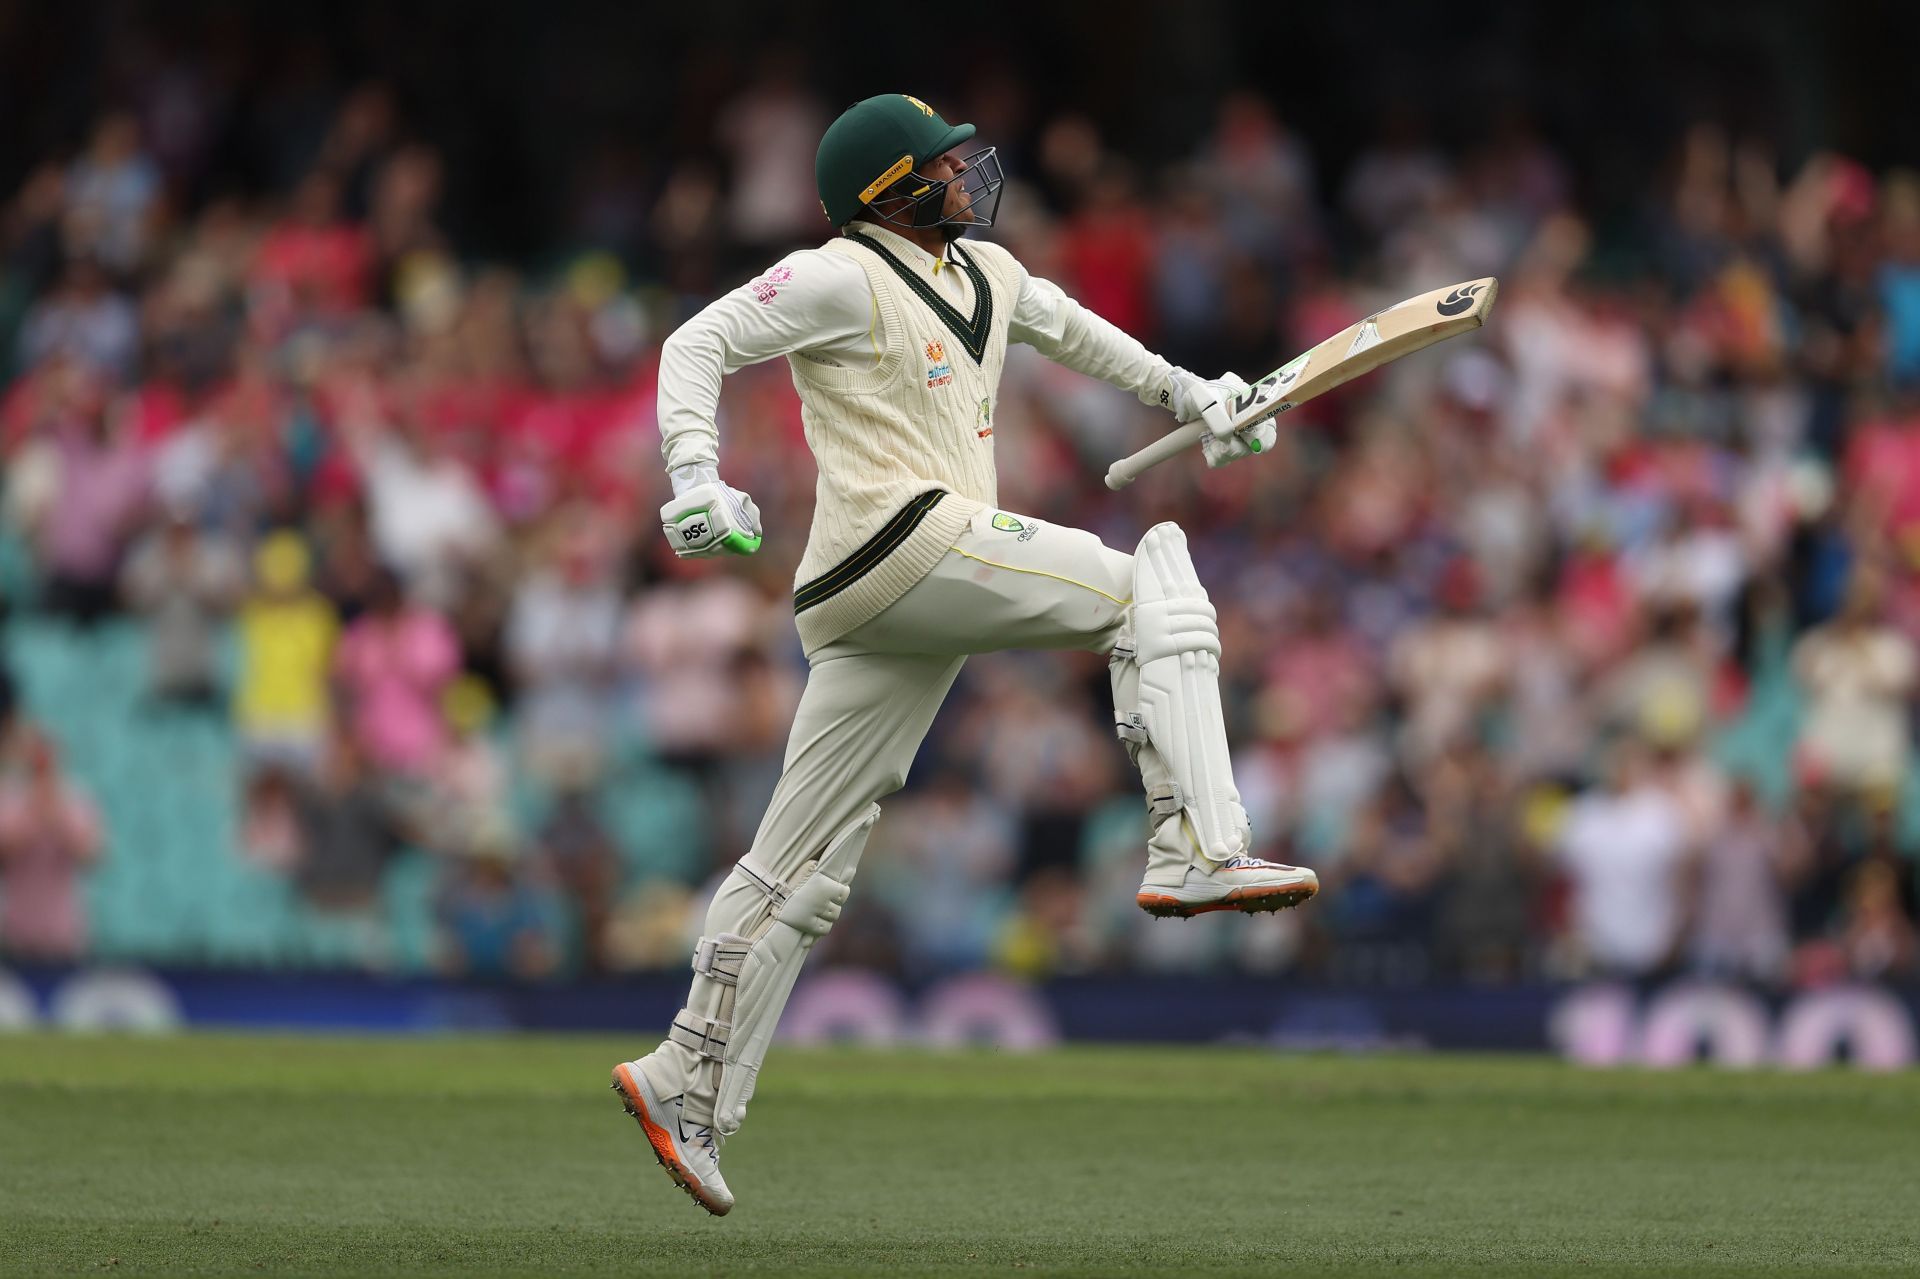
(48, 831)
(394, 670)
(101, 487)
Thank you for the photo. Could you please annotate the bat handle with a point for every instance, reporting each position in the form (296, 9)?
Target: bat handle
(1172, 444)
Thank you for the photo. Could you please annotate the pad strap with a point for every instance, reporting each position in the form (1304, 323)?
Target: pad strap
(1165, 800)
(776, 890)
(700, 1034)
(721, 957)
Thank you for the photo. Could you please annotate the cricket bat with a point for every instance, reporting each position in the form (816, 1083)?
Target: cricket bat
(1401, 329)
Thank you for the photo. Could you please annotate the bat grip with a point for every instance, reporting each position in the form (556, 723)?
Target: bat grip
(1174, 442)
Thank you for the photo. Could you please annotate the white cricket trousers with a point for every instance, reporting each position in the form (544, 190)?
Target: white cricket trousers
(1009, 582)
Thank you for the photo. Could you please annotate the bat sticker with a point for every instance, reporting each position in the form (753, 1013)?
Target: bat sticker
(1368, 336)
(1254, 394)
(1459, 300)
(1278, 380)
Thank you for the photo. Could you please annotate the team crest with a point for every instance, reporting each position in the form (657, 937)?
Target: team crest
(983, 421)
(924, 108)
(939, 372)
(1023, 529)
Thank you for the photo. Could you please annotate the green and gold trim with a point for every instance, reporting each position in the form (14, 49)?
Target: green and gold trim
(972, 333)
(871, 552)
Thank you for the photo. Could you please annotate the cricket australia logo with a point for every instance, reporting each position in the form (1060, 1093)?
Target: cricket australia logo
(939, 372)
(1013, 524)
(983, 420)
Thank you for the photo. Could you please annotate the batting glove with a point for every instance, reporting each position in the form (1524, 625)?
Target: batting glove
(1194, 399)
(1245, 443)
(708, 517)
(1234, 445)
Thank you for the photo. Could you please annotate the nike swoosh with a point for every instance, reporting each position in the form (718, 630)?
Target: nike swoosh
(690, 1140)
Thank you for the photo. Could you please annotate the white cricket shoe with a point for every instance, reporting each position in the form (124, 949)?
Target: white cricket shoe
(689, 1152)
(1239, 883)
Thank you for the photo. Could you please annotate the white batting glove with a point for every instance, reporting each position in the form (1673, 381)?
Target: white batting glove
(708, 517)
(1195, 399)
(1254, 439)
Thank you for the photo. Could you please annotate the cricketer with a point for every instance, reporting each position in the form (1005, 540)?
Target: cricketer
(896, 331)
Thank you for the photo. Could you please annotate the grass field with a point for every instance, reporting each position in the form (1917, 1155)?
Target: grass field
(508, 1155)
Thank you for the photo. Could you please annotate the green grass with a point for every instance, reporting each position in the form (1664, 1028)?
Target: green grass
(508, 1155)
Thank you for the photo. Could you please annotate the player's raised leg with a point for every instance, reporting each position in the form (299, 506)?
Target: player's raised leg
(860, 721)
(1166, 699)
(1012, 581)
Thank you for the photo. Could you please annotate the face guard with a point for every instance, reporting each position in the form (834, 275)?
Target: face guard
(980, 179)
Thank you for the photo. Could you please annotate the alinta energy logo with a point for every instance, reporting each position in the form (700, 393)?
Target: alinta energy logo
(767, 287)
(1459, 300)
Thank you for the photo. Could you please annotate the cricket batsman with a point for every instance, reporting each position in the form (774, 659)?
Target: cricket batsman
(896, 331)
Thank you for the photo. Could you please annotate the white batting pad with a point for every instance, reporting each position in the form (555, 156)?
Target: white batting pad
(1177, 698)
(772, 960)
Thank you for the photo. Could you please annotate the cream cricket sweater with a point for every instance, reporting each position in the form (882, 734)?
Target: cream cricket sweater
(897, 357)
(890, 438)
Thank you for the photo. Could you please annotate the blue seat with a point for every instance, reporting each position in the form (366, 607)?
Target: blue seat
(407, 896)
(659, 821)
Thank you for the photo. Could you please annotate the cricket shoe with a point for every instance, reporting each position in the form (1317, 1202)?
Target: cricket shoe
(689, 1152)
(1239, 883)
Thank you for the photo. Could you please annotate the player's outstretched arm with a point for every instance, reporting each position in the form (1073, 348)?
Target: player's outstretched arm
(1069, 334)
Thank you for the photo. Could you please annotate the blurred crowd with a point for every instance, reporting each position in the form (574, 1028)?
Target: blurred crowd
(1583, 645)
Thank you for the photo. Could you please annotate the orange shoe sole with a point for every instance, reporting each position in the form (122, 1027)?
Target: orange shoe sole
(660, 1140)
(1248, 901)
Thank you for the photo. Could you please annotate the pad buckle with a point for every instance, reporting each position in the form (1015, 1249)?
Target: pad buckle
(721, 958)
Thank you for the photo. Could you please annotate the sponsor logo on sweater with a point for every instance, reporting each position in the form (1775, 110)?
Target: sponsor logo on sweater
(939, 372)
(767, 287)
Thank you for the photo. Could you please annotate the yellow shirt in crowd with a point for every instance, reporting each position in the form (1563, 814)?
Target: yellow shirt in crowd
(286, 648)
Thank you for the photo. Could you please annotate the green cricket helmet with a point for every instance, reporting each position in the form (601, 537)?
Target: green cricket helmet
(870, 153)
